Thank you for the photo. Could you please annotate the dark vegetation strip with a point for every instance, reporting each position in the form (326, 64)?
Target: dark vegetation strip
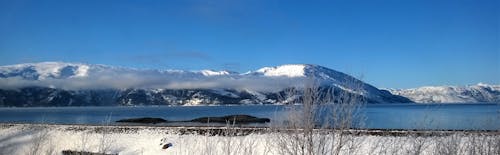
(240, 131)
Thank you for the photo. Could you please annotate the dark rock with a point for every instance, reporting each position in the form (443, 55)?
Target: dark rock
(143, 120)
(237, 119)
(166, 146)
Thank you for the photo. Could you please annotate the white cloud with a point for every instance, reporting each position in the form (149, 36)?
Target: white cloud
(155, 79)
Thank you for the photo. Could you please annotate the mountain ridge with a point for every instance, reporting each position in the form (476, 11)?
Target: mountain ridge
(480, 92)
(258, 86)
(63, 84)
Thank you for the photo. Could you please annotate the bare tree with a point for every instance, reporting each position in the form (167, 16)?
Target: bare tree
(40, 141)
(320, 124)
(84, 140)
(105, 141)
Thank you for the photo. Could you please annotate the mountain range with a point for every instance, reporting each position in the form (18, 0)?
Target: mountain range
(79, 84)
(452, 94)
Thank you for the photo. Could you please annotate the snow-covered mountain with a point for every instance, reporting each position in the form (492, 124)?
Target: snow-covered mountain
(78, 84)
(61, 70)
(452, 94)
(45, 70)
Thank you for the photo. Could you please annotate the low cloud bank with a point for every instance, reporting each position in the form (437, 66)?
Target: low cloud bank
(155, 80)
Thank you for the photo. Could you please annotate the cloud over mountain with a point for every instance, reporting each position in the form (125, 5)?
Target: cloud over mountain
(74, 76)
(63, 84)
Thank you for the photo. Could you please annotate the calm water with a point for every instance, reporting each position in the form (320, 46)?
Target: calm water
(380, 116)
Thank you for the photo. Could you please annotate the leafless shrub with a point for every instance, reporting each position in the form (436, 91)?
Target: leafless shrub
(84, 140)
(448, 145)
(319, 125)
(482, 144)
(105, 141)
(41, 142)
(235, 142)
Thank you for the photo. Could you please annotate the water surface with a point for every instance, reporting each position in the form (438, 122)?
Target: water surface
(376, 116)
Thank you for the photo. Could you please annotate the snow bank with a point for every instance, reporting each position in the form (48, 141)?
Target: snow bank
(138, 140)
(133, 140)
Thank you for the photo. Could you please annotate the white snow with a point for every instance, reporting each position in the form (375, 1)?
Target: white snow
(214, 73)
(259, 96)
(267, 79)
(83, 76)
(194, 101)
(225, 93)
(47, 70)
(138, 140)
(82, 71)
(452, 94)
(297, 70)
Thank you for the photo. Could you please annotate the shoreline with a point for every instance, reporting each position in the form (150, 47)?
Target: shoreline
(219, 130)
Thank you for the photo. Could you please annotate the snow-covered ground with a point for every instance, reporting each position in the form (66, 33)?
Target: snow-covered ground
(138, 140)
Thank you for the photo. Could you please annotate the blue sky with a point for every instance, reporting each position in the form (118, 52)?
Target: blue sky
(397, 44)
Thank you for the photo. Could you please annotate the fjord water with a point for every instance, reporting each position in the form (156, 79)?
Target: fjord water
(474, 116)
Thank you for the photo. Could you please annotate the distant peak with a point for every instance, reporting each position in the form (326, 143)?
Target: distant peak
(48, 69)
(483, 84)
(288, 70)
(446, 88)
(214, 73)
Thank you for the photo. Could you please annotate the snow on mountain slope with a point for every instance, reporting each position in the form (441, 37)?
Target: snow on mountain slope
(321, 74)
(139, 86)
(78, 75)
(61, 70)
(87, 76)
(284, 70)
(330, 77)
(452, 94)
(214, 73)
(44, 70)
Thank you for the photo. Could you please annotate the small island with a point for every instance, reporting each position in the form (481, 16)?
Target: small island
(233, 119)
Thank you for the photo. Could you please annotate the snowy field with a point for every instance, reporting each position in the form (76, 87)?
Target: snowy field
(141, 140)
